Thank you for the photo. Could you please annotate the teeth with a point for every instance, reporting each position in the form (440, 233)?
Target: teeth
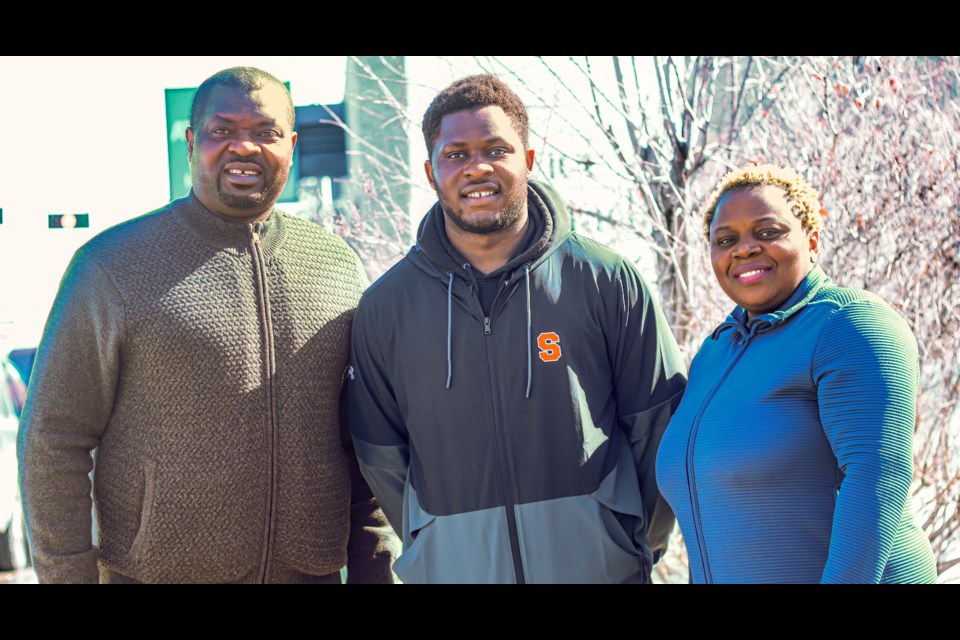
(243, 173)
(479, 194)
(750, 273)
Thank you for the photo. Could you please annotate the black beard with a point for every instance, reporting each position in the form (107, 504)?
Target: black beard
(249, 201)
(270, 193)
(507, 217)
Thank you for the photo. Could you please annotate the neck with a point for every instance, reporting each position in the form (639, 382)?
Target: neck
(257, 217)
(487, 252)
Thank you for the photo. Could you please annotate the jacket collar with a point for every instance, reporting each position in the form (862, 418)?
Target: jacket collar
(231, 237)
(802, 295)
(435, 254)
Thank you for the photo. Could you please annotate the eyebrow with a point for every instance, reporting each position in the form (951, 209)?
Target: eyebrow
(757, 221)
(229, 119)
(486, 141)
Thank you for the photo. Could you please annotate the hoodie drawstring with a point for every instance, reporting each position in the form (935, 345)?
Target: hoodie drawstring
(526, 268)
(449, 326)
(730, 324)
(744, 334)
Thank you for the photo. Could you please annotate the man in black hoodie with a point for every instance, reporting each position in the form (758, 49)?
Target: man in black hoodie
(510, 379)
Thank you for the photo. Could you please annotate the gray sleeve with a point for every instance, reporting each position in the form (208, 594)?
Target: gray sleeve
(68, 406)
(376, 425)
(649, 380)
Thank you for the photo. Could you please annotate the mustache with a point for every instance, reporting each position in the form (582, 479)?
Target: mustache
(244, 159)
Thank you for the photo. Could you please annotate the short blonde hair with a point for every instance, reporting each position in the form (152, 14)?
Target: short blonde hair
(804, 200)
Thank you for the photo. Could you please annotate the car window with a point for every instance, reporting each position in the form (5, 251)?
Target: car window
(22, 360)
(12, 391)
(6, 397)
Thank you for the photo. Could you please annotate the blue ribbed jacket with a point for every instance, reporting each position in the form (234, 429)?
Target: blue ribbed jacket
(789, 458)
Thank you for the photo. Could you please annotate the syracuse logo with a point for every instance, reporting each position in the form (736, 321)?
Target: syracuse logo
(549, 343)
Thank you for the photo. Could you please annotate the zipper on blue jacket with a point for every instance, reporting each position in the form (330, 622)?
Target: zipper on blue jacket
(262, 292)
(691, 471)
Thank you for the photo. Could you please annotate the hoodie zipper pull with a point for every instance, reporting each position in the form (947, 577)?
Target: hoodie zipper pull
(486, 325)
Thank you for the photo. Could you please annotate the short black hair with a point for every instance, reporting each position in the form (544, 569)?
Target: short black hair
(475, 92)
(247, 78)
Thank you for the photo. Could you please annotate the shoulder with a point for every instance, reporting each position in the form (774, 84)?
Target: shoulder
(320, 246)
(609, 273)
(857, 320)
(587, 253)
(140, 240)
(857, 308)
(838, 297)
(376, 314)
(587, 249)
(396, 281)
(141, 230)
(308, 233)
(101, 268)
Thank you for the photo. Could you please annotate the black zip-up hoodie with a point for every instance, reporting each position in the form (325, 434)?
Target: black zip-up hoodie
(518, 445)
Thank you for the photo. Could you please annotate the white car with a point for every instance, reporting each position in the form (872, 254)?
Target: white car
(14, 552)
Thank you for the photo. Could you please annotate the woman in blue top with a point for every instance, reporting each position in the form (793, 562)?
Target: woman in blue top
(790, 458)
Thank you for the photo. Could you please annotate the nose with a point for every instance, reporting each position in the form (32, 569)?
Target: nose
(244, 146)
(745, 249)
(477, 167)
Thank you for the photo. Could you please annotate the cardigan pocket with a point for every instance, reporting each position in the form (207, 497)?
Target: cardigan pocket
(146, 509)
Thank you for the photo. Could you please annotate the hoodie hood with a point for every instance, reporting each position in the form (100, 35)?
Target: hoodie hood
(435, 254)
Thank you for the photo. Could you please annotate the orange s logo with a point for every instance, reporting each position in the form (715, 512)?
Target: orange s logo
(549, 343)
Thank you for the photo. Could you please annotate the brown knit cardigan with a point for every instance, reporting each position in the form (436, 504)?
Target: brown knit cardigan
(204, 362)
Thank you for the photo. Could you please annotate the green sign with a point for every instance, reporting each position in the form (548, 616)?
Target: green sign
(178, 119)
(68, 220)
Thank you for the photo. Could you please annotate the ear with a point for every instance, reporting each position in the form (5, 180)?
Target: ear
(293, 145)
(429, 169)
(529, 159)
(814, 239)
(189, 135)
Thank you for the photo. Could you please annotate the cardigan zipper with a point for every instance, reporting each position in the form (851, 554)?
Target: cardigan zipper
(269, 370)
(691, 470)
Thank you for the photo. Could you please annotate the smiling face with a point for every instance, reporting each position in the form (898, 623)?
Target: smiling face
(479, 169)
(759, 249)
(241, 150)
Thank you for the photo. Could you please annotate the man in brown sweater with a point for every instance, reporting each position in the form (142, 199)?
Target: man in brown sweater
(200, 349)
